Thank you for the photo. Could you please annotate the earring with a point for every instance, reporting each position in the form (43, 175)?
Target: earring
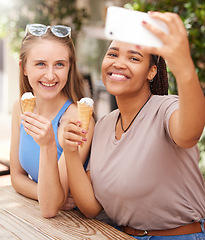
(151, 80)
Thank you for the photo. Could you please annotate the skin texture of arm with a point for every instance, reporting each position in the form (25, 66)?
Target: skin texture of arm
(53, 182)
(81, 187)
(186, 124)
(19, 178)
(80, 183)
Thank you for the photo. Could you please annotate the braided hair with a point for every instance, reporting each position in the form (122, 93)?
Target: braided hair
(159, 85)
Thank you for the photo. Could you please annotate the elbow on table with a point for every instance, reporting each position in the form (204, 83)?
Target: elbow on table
(90, 215)
(90, 212)
(48, 212)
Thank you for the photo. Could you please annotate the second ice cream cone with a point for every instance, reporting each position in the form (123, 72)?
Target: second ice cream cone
(85, 113)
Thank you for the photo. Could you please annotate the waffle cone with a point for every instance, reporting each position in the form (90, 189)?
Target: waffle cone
(85, 113)
(28, 104)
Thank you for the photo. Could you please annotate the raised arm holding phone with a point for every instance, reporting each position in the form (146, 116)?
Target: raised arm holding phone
(143, 169)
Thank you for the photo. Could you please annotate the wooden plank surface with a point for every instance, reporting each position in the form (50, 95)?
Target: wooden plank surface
(12, 228)
(20, 218)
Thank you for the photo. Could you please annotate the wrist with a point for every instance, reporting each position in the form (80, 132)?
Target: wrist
(186, 72)
(70, 155)
(49, 148)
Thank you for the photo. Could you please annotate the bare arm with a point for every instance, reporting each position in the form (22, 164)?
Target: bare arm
(80, 184)
(19, 178)
(53, 184)
(186, 124)
(50, 191)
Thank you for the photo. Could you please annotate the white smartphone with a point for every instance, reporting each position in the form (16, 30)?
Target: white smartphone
(126, 25)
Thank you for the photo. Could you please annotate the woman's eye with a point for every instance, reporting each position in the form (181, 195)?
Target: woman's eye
(134, 59)
(112, 55)
(60, 64)
(40, 64)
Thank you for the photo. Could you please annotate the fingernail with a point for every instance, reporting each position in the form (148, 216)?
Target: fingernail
(79, 143)
(144, 22)
(84, 139)
(138, 46)
(78, 123)
(84, 132)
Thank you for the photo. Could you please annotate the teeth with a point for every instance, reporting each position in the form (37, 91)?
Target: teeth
(118, 75)
(48, 84)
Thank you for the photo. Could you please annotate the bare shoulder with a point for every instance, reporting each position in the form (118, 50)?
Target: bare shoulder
(16, 113)
(71, 112)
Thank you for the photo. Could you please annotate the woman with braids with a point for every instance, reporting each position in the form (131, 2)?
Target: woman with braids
(143, 169)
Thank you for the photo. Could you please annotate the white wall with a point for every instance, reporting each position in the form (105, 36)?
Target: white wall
(10, 79)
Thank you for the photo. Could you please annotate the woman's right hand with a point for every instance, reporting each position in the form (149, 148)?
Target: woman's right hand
(175, 49)
(39, 128)
(73, 135)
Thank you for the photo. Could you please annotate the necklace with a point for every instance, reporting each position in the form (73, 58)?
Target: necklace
(125, 130)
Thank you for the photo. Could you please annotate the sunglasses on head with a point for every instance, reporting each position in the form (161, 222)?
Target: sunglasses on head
(40, 29)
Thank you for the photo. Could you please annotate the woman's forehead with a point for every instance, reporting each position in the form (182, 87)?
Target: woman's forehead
(125, 47)
(123, 44)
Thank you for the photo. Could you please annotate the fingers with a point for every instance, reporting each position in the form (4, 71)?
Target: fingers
(69, 204)
(39, 128)
(74, 135)
(34, 123)
(175, 42)
(172, 20)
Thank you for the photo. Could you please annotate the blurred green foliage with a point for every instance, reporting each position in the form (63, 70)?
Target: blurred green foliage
(192, 13)
(15, 16)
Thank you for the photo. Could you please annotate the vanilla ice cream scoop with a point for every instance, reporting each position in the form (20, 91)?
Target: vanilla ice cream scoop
(88, 101)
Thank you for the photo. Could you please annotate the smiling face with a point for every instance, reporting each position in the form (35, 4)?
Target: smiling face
(126, 69)
(47, 67)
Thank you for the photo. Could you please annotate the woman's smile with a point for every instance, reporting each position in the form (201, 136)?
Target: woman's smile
(118, 76)
(46, 84)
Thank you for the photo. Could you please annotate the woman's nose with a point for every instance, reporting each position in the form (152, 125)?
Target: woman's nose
(50, 75)
(119, 63)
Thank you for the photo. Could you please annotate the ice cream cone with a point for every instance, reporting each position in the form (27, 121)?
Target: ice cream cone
(85, 112)
(28, 104)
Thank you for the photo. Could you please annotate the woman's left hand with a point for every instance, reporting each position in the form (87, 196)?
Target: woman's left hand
(39, 128)
(175, 47)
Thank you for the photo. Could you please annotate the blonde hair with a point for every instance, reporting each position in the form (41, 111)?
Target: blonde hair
(74, 85)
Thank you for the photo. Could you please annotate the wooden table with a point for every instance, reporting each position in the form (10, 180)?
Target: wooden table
(20, 218)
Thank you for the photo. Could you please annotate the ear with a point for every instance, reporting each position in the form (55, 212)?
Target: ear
(152, 72)
(21, 67)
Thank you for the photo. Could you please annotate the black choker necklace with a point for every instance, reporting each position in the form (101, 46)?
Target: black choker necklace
(134, 116)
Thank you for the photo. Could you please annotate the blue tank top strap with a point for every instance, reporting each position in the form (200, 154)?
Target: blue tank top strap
(56, 123)
(61, 112)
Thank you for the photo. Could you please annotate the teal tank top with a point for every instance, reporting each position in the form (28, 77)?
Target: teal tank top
(29, 150)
